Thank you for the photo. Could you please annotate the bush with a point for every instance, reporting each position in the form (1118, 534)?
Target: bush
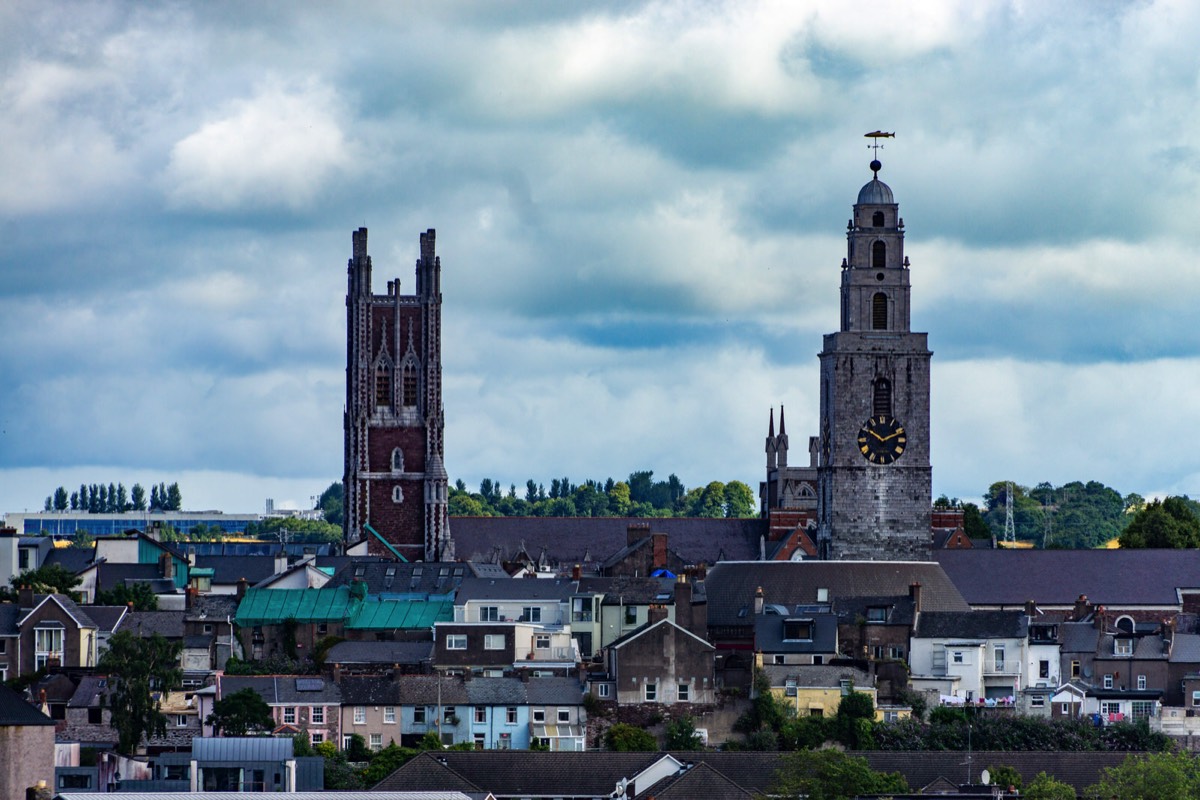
(625, 738)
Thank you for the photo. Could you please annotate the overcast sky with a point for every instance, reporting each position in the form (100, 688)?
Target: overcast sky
(641, 213)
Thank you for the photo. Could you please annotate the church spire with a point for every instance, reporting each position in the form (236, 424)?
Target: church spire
(781, 441)
(771, 441)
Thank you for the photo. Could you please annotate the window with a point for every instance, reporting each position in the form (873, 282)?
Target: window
(505, 742)
(347, 739)
(822, 594)
(881, 401)
(685, 693)
(317, 736)
(798, 630)
(481, 713)
(23, 559)
(531, 614)
(1074, 669)
(777, 659)
(1043, 669)
(360, 715)
(48, 646)
(409, 384)
(205, 629)
(581, 609)
(891, 716)
(181, 720)
(510, 715)
(418, 715)
(877, 651)
(480, 740)
(456, 641)
(448, 715)
(1108, 707)
(541, 641)
(957, 657)
(895, 651)
(1108, 681)
(1141, 683)
(376, 741)
(846, 686)
(493, 641)
(816, 712)
(1196, 698)
(318, 715)
(998, 658)
(389, 715)
(877, 219)
(631, 615)
(564, 716)
(1141, 709)
(818, 659)
(538, 715)
(602, 690)
(383, 386)
(289, 715)
(489, 613)
(397, 460)
(1037, 701)
(95, 715)
(877, 613)
(651, 694)
(1123, 647)
(879, 312)
(878, 255)
(397, 494)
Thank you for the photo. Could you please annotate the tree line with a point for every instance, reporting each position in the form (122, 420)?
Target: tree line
(639, 496)
(97, 498)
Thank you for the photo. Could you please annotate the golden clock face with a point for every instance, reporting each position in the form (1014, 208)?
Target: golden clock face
(881, 440)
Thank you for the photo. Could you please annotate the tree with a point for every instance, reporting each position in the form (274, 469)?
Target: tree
(240, 713)
(155, 499)
(855, 721)
(624, 738)
(1166, 523)
(1004, 776)
(44, 580)
(1158, 776)
(140, 594)
(331, 503)
(1044, 787)
(122, 498)
(174, 498)
(739, 500)
(682, 735)
(831, 775)
(137, 669)
(137, 497)
(61, 500)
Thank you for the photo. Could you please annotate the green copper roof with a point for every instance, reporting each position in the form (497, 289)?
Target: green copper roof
(377, 614)
(269, 606)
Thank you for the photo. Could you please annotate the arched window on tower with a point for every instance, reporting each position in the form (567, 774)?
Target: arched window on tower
(881, 403)
(409, 384)
(397, 460)
(879, 312)
(877, 219)
(383, 386)
(878, 255)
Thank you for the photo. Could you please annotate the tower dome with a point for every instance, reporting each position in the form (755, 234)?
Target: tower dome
(876, 192)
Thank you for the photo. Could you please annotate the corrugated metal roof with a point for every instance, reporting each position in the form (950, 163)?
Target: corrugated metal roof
(381, 614)
(269, 606)
(247, 748)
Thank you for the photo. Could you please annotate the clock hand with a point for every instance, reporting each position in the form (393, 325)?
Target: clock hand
(876, 435)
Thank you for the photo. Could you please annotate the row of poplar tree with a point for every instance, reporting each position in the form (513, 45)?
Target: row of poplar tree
(97, 498)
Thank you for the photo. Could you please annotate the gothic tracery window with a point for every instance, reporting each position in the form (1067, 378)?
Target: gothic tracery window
(383, 385)
(409, 384)
(398, 460)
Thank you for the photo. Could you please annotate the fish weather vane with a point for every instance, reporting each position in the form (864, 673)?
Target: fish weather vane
(876, 136)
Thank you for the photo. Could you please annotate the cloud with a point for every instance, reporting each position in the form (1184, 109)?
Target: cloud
(277, 149)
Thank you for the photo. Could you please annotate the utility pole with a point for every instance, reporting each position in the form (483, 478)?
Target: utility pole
(1010, 530)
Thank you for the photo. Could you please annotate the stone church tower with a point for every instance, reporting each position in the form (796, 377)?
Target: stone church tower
(395, 479)
(874, 481)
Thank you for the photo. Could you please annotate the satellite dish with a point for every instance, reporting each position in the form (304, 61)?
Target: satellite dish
(985, 777)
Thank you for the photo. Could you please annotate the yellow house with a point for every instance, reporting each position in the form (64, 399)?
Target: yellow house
(816, 690)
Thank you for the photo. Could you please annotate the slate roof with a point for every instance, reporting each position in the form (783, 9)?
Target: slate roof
(391, 577)
(107, 618)
(554, 692)
(576, 540)
(1078, 637)
(72, 559)
(229, 569)
(15, 712)
(667, 625)
(69, 605)
(212, 606)
(769, 629)
(110, 575)
(849, 609)
(1115, 578)
(624, 590)
(379, 653)
(1186, 649)
(972, 625)
(283, 689)
(699, 782)
(1147, 648)
(523, 589)
(168, 624)
(730, 586)
(423, 690)
(825, 676)
(369, 692)
(498, 692)
(1079, 769)
(89, 691)
(9, 614)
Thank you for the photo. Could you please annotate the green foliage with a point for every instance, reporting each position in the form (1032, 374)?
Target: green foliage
(831, 775)
(1004, 776)
(681, 735)
(1158, 776)
(915, 700)
(1169, 523)
(1074, 515)
(139, 671)
(331, 503)
(592, 705)
(1044, 787)
(624, 738)
(293, 529)
(241, 713)
(357, 749)
(947, 715)
(948, 732)
(429, 741)
(387, 761)
(973, 523)
(140, 594)
(288, 628)
(45, 579)
(274, 665)
(301, 746)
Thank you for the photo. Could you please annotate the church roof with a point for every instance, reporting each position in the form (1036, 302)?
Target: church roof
(875, 193)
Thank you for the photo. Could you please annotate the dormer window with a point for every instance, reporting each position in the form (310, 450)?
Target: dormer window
(877, 219)
(1123, 647)
(878, 255)
(877, 614)
(798, 630)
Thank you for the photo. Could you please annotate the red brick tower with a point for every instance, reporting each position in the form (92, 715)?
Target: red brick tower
(395, 478)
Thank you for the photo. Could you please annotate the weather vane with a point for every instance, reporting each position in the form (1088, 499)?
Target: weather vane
(875, 145)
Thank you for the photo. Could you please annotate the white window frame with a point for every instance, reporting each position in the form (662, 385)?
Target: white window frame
(1141, 683)
(1123, 647)
(456, 641)
(47, 644)
(480, 714)
(541, 641)
(684, 693)
(538, 716)
(316, 737)
(1108, 681)
(489, 613)
(602, 690)
(1037, 701)
(531, 614)
(650, 691)
(360, 715)
(376, 742)
(493, 641)
(289, 715)
(389, 715)
(510, 715)
(420, 715)
(317, 715)
(564, 716)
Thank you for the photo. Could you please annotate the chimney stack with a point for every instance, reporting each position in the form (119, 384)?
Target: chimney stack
(636, 532)
(758, 600)
(914, 591)
(242, 586)
(1030, 609)
(1081, 609)
(659, 541)
(576, 572)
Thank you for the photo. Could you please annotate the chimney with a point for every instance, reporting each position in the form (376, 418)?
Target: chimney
(656, 612)
(636, 532)
(166, 565)
(242, 586)
(659, 541)
(189, 598)
(281, 561)
(914, 591)
(1082, 606)
(576, 572)
(1030, 609)
(758, 600)
(1100, 620)
(25, 597)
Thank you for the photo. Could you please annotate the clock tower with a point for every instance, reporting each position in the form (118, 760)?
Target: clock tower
(874, 482)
